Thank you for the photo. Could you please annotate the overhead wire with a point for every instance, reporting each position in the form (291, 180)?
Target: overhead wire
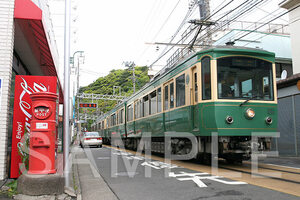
(164, 53)
(240, 10)
(249, 27)
(268, 22)
(265, 35)
(224, 15)
(244, 9)
(262, 23)
(166, 20)
(178, 29)
(173, 37)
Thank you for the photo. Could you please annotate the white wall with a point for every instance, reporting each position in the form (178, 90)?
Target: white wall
(295, 33)
(6, 58)
(294, 23)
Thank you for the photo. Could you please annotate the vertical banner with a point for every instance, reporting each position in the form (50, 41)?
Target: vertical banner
(22, 115)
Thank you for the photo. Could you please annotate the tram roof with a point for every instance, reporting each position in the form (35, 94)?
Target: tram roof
(236, 49)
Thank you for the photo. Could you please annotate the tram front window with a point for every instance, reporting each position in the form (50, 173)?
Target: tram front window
(244, 78)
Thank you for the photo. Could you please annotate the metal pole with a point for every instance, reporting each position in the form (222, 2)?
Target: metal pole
(66, 144)
(78, 75)
(133, 74)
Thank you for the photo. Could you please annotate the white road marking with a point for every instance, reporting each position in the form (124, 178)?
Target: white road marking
(197, 178)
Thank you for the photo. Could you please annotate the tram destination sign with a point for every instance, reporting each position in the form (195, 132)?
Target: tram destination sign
(88, 105)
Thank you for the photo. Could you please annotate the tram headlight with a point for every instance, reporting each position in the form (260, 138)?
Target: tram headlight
(250, 113)
(269, 120)
(229, 119)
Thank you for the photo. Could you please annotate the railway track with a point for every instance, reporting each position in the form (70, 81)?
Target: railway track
(281, 174)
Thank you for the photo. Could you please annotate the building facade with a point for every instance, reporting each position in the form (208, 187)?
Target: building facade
(293, 6)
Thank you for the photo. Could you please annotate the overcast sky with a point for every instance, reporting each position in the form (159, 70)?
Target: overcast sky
(110, 32)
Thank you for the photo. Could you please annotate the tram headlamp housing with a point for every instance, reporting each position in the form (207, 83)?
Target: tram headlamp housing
(229, 119)
(269, 120)
(250, 113)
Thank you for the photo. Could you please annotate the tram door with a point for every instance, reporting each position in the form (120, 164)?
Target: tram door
(195, 97)
(165, 106)
(168, 104)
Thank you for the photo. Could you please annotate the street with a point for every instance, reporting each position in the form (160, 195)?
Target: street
(180, 183)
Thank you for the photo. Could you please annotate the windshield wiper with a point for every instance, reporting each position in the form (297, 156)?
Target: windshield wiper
(248, 99)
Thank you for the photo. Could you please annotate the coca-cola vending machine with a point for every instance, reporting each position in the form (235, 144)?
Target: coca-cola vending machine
(22, 115)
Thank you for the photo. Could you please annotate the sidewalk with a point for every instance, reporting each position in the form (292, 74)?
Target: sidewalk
(90, 184)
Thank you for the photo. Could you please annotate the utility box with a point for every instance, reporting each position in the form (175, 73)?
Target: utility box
(43, 133)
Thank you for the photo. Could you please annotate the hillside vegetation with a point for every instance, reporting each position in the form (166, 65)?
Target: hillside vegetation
(119, 77)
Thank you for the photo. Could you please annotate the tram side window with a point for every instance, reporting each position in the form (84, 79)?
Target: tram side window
(136, 110)
(196, 87)
(117, 118)
(146, 105)
(166, 98)
(153, 103)
(206, 78)
(121, 116)
(130, 113)
(113, 120)
(141, 113)
(172, 95)
(159, 100)
(180, 90)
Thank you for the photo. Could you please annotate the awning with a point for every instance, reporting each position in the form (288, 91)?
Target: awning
(35, 50)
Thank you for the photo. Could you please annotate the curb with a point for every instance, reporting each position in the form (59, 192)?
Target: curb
(76, 181)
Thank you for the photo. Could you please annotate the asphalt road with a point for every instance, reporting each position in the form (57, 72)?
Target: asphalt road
(128, 177)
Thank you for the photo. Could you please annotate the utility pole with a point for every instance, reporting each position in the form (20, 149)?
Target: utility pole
(72, 61)
(78, 65)
(204, 10)
(66, 141)
(131, 65)
(133, 77)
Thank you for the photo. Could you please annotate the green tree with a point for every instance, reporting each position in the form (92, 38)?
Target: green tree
(104, 85)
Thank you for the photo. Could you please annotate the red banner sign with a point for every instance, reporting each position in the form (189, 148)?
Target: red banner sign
(88, 105)
(24, 86)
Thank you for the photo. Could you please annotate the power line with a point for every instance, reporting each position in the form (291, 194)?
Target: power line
(243, 10)
(161, 27)
(264, 35)
(167, 51)
(166, 20)
(265, 2)
(268, 22)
